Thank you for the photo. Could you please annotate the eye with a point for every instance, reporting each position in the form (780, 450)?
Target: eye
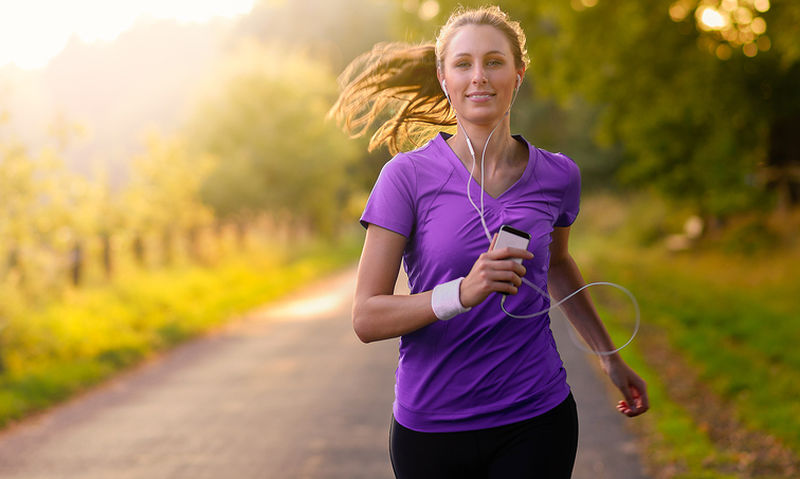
(494, 63)
(462, 64)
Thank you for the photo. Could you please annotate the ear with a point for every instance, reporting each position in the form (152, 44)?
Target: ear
(440, 77)
(520, 76)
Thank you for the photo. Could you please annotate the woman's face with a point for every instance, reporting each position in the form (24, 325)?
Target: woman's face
(480, 74)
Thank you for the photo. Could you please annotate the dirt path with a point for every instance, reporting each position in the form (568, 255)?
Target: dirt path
(288, 392)
(606, 448)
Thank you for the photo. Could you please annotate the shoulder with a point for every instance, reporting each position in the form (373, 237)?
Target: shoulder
(557, 161)
(432, 154)
(425, 160)
(557, 168)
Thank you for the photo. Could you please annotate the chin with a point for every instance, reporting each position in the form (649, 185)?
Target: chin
(483, 117)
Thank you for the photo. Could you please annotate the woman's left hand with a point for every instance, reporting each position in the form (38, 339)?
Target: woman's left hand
(633, 388)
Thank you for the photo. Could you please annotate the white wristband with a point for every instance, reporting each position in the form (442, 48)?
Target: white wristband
(446, 300)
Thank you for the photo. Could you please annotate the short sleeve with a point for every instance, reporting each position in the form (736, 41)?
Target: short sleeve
(391, 203)
(570, 201)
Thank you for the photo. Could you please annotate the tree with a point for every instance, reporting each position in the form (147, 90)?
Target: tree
(18, 191)
(696, 108)
(333, 31)
(43, 216)
(164, 193)
(700, 95)
(277, 154)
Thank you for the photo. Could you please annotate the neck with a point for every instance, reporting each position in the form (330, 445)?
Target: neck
(500, 145)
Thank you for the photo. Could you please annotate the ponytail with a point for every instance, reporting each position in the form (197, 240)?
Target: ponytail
(395, 80)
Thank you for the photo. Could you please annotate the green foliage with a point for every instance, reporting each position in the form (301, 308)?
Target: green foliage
(59, 348)
(165, 187)
(731, 318)
(340, 30)
(675, 440)
(44, 210)
(689, 110)
(276, 152)
(742, 337)
(692, 124)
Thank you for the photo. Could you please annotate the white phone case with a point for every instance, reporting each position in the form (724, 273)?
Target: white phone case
(507, 238)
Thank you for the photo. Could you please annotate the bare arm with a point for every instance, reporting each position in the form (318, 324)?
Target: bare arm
(380, 314)
(564, 278)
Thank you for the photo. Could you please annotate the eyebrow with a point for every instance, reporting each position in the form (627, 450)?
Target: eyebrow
(492, 52)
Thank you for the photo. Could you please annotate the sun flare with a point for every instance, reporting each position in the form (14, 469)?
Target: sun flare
(33, 31)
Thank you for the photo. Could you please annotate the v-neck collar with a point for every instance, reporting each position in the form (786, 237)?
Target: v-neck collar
(441, 141)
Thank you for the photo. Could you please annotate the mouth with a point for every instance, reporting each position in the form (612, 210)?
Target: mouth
(481, 95)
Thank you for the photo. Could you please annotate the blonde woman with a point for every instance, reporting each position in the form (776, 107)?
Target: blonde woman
(479, 394)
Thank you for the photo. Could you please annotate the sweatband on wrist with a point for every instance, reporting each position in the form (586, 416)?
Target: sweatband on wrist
(446, 300)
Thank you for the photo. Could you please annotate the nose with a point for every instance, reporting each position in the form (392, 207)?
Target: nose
(479, 75)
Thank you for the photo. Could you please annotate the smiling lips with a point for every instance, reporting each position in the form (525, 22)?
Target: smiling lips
(480, 96)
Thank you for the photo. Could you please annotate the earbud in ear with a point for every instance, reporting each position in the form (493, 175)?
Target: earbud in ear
(519, 81)
(444, 89)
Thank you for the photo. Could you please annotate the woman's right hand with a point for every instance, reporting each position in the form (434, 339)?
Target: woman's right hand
(494, 271)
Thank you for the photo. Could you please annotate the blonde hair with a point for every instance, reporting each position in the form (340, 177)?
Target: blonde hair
(395, 85)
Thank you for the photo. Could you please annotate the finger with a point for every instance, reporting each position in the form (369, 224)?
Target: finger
(625, 409)
(642, 400)
(490, 279)
(507, 265)
(627, 392)
(633, 408)
(506, 288)
(519, 253)
(494, 240)
(628, 409)
(509, 252)
(519, 269)
(503, 281)
(506, 276)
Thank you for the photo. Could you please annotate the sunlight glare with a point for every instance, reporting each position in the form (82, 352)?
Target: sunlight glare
(711, 19)
(743, 15)
(33, 31)
(678, 11)
(759, 26)
(429, 9)
(723, 51)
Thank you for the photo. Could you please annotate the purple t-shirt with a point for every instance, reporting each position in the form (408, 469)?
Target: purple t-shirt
(481, 368)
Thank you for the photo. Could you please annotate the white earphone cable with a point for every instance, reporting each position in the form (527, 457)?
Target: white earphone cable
(481, 213)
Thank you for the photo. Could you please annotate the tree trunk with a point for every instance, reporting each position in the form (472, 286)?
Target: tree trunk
(76, 263)
(784, 161)
(138, 250)
(108, 264)
(166, 246)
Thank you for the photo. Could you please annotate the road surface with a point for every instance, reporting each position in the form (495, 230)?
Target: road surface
(286, 392)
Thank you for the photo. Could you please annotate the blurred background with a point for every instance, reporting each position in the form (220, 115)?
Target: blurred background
(164, 164)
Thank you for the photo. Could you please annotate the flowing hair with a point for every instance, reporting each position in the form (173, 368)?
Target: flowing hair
(394, 86)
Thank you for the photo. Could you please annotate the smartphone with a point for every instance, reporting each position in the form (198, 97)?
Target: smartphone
(510, 236)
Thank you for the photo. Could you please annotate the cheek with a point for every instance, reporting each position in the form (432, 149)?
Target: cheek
(456, 79)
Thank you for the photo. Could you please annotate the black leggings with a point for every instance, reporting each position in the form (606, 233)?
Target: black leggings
(541, 447)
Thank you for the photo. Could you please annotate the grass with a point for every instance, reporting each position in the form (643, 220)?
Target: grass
(51, 351)
(717, 345)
